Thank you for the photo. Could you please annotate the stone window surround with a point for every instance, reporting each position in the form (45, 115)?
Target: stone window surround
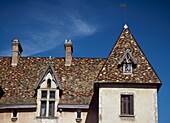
(48, 100)
(43, 87)
(131, 69)
(128, 115)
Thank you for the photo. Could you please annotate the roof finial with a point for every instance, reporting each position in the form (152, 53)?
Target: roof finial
(125, 26)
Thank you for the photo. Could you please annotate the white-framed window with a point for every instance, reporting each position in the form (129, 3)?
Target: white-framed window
(127, 68)
(48, 99)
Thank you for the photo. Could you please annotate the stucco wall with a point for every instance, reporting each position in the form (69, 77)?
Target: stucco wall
(70, 117)
(145, 105)
(24, 117)
(30, 117)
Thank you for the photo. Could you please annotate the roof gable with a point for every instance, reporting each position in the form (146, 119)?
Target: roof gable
(128, 57)
(126, 44)
(50, 70)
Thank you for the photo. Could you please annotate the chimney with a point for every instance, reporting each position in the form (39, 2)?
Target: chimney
(16, 52)
(69, 50)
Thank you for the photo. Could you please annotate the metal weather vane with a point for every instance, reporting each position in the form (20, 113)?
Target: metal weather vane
(123, 5)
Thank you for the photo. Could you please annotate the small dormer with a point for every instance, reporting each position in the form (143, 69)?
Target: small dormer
(127, 62)
(47, 94)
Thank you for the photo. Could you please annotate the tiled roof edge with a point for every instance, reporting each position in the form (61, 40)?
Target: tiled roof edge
(73, 106)
(18, 106)
(157, 85)
(109, 55)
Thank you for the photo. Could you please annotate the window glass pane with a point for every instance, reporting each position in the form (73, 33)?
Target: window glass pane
(43, 108)
(127, 68)
(52, 94)
(127, 104)
(131, 105)
(78, 114)
(15, 113)
(51, 108)
(49, 83)
(44, 94)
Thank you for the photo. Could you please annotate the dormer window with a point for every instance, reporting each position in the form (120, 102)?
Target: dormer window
(127, 62)
(47, 94)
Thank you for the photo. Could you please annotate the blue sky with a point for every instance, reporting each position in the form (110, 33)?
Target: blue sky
(94, 26)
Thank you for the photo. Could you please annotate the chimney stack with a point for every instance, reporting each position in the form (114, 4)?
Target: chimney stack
(68, 50)
(16, 52)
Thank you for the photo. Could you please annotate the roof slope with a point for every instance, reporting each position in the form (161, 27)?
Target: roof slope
(143, 73)
(76, 81)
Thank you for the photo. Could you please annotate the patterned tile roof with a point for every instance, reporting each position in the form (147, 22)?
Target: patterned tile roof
(76, 81)
(18, 83)
(142, 73)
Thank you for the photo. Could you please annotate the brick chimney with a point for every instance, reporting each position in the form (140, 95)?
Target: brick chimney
(16, 52)
(69, 50)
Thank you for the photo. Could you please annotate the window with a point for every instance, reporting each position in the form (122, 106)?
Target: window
(43, 108)
(51, 108)
(52, 94)
(47, 103)
(127, 68)
(78, 114)
(14, 113)
(47, 95)
(49, 83)
(127, 105)
(78, 119)
(44, 94)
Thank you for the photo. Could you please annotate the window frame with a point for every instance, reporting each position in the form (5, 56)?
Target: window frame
(48, 100)
(78, 116)
(127, 105)
(124, 70)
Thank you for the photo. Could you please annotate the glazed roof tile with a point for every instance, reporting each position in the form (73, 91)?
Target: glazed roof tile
(142, 73)
(76, 81)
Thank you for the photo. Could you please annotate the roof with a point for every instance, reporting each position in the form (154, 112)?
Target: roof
(19, 82)
(142, 73)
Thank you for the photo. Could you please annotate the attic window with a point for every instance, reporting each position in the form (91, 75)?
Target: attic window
(127, 68)
(49, 83)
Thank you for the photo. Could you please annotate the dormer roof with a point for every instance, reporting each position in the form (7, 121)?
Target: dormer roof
(130, 57)
(50, 70)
